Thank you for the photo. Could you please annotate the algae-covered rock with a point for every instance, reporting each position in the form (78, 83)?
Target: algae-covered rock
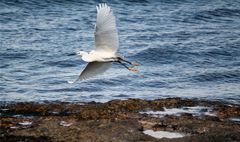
(118, 120)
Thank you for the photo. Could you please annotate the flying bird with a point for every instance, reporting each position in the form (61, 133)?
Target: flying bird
(106, 45)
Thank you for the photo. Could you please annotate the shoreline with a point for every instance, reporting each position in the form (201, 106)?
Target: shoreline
(120, 120)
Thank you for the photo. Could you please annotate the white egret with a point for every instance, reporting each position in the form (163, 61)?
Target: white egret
(106, 45)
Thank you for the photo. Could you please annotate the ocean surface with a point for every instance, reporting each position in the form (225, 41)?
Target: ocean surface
(187, 48)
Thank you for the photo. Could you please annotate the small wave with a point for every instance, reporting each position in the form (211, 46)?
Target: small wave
(15, 56)
(217, 15)
(224, 12)
(166, 55)
(80, 89)
(154, 84)
(223, 76)
(4, 66)
(62, 63)
(137, 1)
(111, 82)
(219, 56)
(173, 1)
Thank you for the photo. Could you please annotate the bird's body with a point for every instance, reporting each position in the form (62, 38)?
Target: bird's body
(99, 56)
(106, 45)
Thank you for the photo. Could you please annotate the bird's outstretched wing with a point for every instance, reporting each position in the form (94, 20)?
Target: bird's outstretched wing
(106, 36)
(92, 69)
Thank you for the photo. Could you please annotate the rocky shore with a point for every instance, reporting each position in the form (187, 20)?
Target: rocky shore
(121, 121)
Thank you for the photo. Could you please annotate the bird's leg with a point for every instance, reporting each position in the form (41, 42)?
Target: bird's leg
(134, 63)
(130, 69)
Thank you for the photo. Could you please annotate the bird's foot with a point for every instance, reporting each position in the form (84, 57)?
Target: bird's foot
(133, 70)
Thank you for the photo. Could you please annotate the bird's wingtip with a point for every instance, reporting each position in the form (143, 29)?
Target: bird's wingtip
(70, 82)
(101, 5)
(73, 82)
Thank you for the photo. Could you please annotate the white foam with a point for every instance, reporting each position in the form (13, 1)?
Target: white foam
(65, 124)
(236, 119)
(195, 111)
(4, 109)
(163, 134)
(18, 115)
(25, 123)
(54, 112)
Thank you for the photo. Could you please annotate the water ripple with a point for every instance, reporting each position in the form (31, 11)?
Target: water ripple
(185, 48)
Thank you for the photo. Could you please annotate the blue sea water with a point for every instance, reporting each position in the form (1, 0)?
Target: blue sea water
(187, 48)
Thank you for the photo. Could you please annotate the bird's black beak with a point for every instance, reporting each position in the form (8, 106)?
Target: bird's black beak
(72, 54)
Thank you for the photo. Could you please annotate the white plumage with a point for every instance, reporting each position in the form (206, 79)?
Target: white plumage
(106, 36)
(106, 45)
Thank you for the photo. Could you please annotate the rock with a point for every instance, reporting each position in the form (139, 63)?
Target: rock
(117, 120)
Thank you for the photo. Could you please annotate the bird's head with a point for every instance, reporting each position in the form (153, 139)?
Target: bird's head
(81, 53)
